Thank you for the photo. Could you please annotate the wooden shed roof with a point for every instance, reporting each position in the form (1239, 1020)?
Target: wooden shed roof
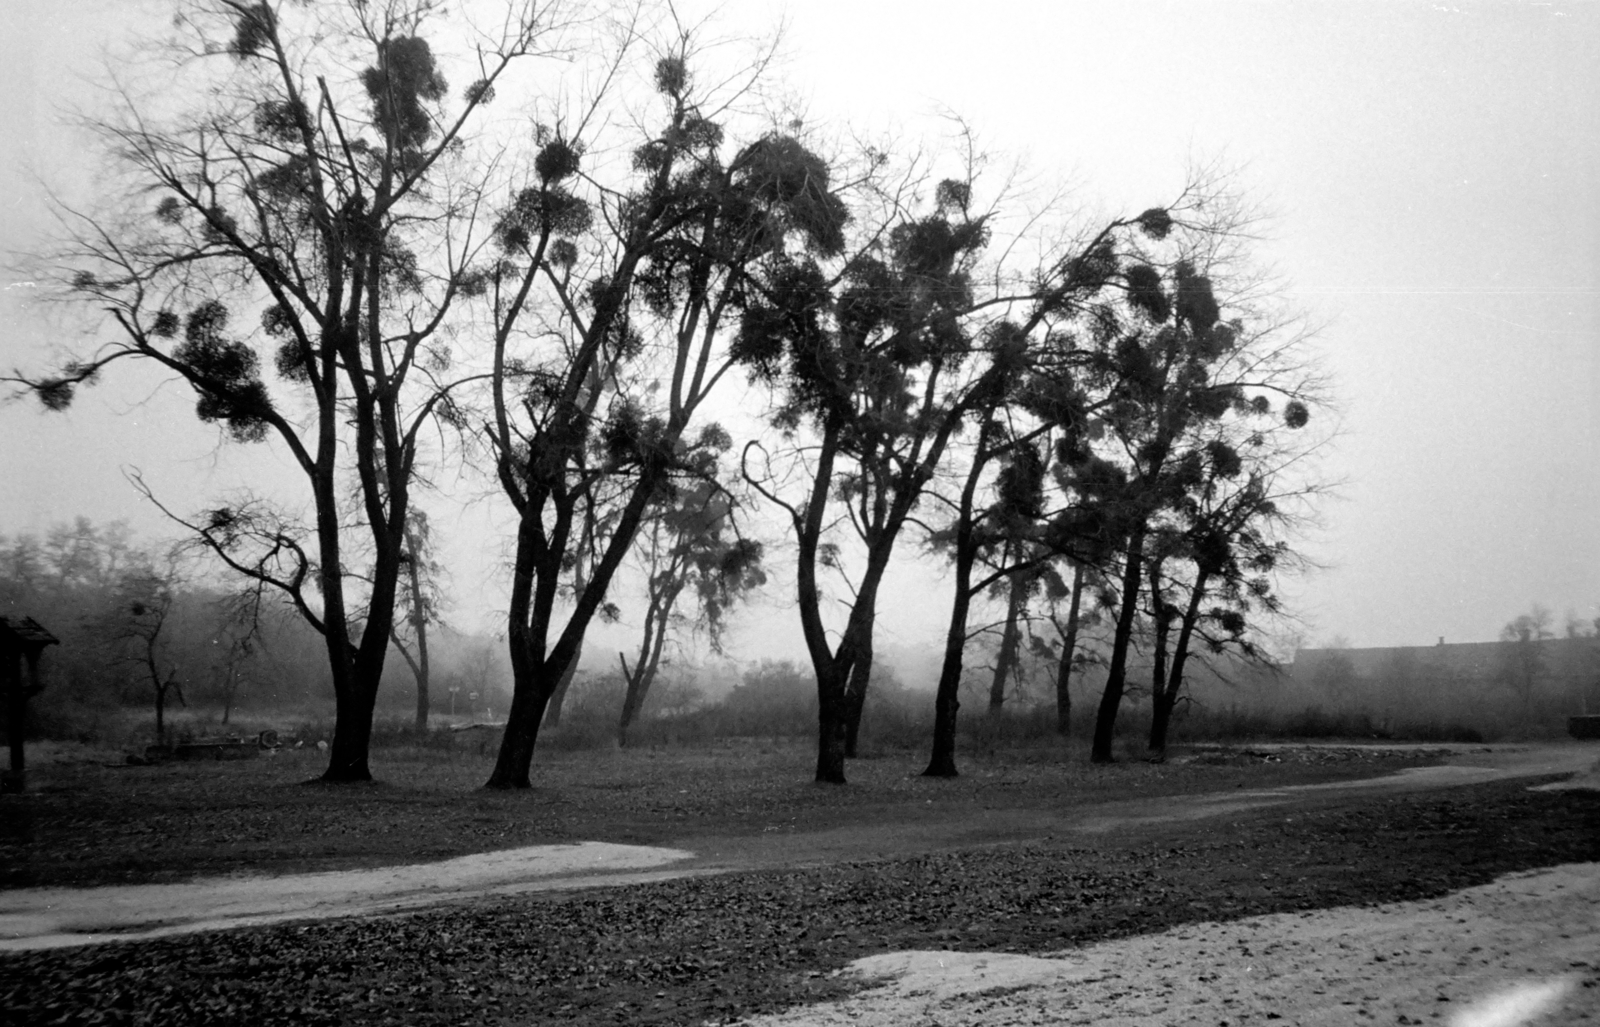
(25, 633)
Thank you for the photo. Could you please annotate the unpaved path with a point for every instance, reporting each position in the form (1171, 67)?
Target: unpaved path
(1524, 949)
(1467, 765)
(34, 918)
(37, 918)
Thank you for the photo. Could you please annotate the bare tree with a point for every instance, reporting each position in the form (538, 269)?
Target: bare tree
(869, 353)
(594, 399)
(689, 543)
(241, 628)
(1033, 403)
(1231, 535)
(1176, 371)
(419, 603)
(1524, 663)
(1064, 643)
(144, 604)
(599, 523)
(301, 270)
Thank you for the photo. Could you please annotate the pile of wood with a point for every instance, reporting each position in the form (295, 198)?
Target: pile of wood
(225, 747)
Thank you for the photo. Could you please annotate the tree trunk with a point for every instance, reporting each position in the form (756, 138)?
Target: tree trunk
(529, 699)
(424, 702)
(1166, 697)
(533, 677)
(419, 623)
(580, 582)
(1069, 648)
(162, 691)
(835, 665)
(1111, 698)
(657, 617)
(352, 726)
(1160, 708)
(831, 665)
(537, 672)
(631, 700)
(638, 680)
(552, 710)
(831, 725)
(1010, 640)
(228, 695)
(352, 734)
(1160, 717)
(855, 700)
(1160, 616)
(947, 701)
(357, 670)
(853, 705)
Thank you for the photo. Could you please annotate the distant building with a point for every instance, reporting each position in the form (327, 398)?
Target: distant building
(1577, 659)
(1500, 684)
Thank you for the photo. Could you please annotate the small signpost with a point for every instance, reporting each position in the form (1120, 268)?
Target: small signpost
(21, 641)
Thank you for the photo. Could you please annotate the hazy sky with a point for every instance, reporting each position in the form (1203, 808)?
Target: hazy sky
(1434, 171)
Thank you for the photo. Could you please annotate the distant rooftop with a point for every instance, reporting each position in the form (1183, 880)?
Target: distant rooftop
(26, 633)
(1562, 655)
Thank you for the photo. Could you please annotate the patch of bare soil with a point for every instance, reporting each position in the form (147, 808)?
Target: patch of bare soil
(1525, 948)
(32, 918)
(722, 947)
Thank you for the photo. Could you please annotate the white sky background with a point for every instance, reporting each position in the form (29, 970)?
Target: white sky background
(1434, 171)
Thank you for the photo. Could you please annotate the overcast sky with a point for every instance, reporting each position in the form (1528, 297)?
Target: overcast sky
(1433, 169)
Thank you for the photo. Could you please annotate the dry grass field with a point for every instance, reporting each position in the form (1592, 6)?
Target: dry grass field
(89, 818)
(715, 948)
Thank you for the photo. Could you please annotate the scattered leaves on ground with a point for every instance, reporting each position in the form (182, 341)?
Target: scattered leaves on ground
(714, 948)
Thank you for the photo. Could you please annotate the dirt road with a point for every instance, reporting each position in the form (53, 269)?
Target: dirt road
(34, 918)
(38, 918)
(1523, 950)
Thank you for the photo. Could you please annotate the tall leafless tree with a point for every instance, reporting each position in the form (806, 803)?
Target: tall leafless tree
(291, 235)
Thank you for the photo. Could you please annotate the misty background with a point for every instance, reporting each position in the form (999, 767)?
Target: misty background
(1432, 177)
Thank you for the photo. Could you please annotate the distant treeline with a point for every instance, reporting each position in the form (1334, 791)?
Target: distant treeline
(138, 624)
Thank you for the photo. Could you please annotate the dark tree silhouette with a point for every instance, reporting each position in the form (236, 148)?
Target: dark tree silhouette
(872, 356)
(240, 632)
(1229, 533)
(307, 250)
(1175, 373)
(1034, 398)
(418, 604)
(1067, 629)
(688, 543)
(594, 411)
(138, 623)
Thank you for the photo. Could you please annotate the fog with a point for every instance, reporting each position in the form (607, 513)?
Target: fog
(1434, 181)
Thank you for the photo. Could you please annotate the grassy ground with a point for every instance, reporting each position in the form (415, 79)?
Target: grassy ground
(710, 949)
(89, 819)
